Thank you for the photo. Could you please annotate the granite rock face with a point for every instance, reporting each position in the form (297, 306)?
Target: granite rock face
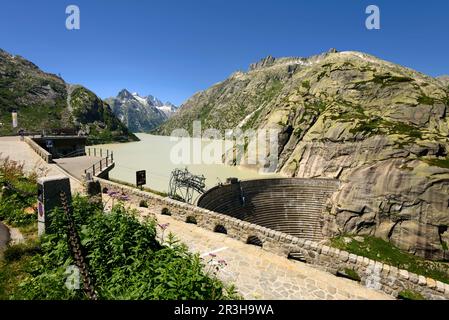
(380, 128)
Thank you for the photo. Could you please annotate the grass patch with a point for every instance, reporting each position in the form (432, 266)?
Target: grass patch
(442, 163)
(12, 273)
(382, 251)
(306, 84)
(349, 274)
(426, 100)
(19, 251)
(162, 194)
(377, 125)
(410, 295)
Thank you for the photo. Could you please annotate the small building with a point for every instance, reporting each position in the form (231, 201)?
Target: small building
(62, 146)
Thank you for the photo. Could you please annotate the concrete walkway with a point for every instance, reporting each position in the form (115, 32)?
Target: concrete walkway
(19, 151)
(259, 274)
(76, 166)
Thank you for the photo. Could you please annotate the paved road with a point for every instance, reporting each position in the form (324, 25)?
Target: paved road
(19, 151)
(259, 274)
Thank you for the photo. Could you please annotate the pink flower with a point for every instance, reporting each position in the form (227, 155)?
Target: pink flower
(222, 262)
(164, 226)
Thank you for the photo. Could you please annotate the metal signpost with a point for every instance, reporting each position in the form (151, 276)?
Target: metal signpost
(141, 178)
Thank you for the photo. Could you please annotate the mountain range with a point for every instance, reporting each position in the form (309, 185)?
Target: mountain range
(379, 128)
(140, 114)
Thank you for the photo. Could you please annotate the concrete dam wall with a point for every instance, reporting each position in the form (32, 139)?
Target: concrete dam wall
(292, 205)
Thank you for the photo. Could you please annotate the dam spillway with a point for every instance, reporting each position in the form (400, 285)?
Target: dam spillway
(290, 205)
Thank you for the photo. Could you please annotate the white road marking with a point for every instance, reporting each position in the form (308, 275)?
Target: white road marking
(213, 252)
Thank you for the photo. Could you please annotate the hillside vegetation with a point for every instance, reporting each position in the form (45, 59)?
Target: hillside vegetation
(45, 102)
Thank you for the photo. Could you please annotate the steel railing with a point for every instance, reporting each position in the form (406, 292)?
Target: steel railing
(107, 159)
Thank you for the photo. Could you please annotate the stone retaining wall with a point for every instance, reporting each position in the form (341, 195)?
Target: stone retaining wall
(373, 274)
(44, 154)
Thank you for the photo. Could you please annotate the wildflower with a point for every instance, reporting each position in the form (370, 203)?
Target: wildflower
(124, 197)
(222, 262)
(164, 226)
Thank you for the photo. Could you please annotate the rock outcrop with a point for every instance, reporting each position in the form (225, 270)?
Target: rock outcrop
(380, 128)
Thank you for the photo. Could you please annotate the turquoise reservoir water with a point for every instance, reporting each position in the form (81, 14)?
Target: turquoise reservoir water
(155, 155)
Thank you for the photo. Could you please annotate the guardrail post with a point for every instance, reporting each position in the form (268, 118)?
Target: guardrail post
(88, 150)
(112, 156)
(101, 165)
(101, 153)
(93, 170)
(95, 152)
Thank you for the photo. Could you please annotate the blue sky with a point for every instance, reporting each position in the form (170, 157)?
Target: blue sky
(172, 49)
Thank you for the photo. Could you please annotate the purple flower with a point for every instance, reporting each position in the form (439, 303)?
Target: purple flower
(222, 262)
(124, 197)
(164, 226)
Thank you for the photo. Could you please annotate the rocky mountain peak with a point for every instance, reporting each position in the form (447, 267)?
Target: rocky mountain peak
(140, 113)
(125, 94)
(265, 62)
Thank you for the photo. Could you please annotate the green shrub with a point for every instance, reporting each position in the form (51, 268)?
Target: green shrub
(18, 195)
(125, 259)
